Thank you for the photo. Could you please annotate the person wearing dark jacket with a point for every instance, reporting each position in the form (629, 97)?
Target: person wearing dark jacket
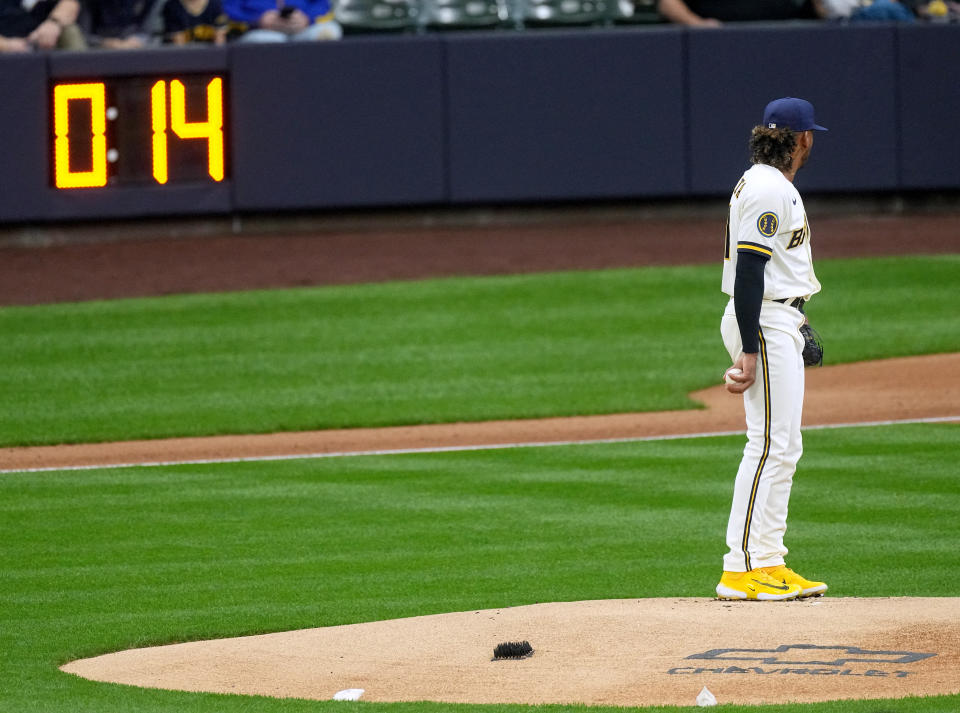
(28, 25)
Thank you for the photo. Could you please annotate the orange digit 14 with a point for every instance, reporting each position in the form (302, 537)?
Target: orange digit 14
(211, 129)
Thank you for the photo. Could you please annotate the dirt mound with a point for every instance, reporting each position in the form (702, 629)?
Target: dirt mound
(613, 652)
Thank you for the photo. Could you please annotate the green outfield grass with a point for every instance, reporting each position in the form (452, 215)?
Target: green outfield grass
(435, 351)
(103, 560)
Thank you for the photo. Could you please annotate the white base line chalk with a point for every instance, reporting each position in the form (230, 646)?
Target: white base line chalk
(452, 449)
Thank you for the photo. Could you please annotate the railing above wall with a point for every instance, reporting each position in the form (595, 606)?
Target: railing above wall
(472, 118)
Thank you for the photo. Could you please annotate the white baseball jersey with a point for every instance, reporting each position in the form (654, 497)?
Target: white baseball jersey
(767, 218)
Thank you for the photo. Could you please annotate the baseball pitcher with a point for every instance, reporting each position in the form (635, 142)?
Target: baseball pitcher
(768, 274)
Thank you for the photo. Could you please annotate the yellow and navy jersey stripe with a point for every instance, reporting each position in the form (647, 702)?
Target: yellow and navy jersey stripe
(756, 248)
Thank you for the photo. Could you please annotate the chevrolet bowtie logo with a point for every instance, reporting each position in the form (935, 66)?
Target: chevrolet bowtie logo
(812, 655)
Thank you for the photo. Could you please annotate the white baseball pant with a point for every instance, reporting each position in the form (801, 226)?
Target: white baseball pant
(773, 406)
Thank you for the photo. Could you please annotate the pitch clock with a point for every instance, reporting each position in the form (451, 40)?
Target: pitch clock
(138, 131)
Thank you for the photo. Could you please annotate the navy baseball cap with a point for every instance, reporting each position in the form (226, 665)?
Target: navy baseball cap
(790, 113)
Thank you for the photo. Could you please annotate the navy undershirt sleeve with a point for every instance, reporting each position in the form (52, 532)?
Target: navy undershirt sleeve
(748, 298)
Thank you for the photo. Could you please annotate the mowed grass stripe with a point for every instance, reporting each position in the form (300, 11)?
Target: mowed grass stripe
(106, 560)
(426, 352)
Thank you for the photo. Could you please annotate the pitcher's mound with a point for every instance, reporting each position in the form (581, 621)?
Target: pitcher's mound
(619, 652)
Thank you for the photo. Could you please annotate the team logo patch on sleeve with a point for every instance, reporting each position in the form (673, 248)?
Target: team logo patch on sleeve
(767, 224)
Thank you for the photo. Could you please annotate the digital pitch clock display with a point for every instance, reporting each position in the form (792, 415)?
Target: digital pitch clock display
(137, 131)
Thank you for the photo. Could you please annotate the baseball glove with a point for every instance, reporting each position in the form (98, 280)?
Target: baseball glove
(812, 346)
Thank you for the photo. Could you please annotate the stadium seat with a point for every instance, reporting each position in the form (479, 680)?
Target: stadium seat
(634, 12)
(567, 12)
(377, 15)
(465, 14)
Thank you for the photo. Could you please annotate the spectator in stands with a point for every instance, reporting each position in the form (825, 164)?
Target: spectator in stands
(27, 25)
(279, 21)
(122, 24)
(936, 10)
(713, 13)
(187, 21)
(864, 10)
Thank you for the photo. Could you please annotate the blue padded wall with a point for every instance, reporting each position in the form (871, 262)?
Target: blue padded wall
(350, 123)
(847, 72)
(565, 115)
(537, 115)
(24, 122)
(929, 106)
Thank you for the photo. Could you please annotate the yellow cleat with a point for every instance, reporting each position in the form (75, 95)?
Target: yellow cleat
(755, 584)
(784, 574)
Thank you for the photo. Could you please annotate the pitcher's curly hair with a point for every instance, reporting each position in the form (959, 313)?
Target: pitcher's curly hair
(773, 147)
